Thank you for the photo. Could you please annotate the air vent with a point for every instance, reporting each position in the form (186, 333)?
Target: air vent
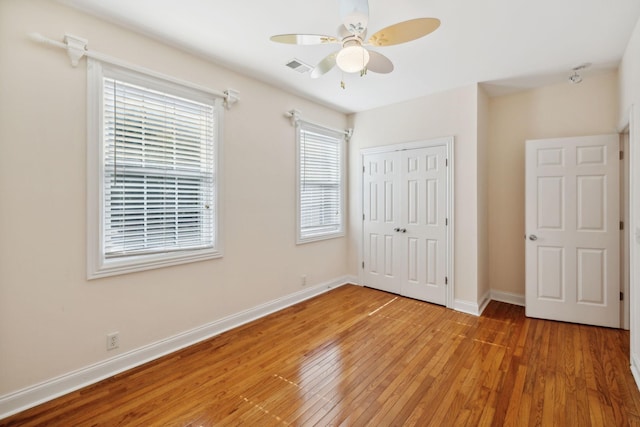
(299, 66)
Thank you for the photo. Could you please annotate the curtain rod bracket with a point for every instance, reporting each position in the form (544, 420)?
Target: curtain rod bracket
(76, 48)
(231, 96)
(294, 115)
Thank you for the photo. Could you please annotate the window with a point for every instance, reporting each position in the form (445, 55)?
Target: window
(153, 153)
(320, 183)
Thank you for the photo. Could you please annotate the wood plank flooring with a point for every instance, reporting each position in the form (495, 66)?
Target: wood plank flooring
(357, 356)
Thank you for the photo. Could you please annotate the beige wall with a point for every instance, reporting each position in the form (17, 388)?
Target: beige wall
(484, 283)
(52, 320)
(451, 113)
(560, 110)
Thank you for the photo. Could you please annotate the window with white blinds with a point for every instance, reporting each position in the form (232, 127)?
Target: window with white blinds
(158, 172)
(320, 183)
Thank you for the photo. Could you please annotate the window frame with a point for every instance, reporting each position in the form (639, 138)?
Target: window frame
(98, 264)
(341, 135)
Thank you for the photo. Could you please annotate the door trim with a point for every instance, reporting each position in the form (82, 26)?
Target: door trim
(633, 118)
(627, 128)
(448, 143)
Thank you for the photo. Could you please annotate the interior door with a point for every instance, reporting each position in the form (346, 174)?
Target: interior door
(423, 213)
(572, 222)
(404, 223)
(380, 208)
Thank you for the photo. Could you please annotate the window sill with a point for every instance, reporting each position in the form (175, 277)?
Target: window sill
(126, 265)
(302, 241)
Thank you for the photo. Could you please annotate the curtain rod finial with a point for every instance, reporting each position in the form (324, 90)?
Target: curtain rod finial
(37, 37)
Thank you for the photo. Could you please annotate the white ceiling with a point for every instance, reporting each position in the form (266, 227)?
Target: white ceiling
(508, 44)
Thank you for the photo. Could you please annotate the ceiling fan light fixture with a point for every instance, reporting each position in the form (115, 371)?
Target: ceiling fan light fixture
(352, 34)
(352, 59)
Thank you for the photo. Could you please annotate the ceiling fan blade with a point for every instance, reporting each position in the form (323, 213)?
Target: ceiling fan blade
(355, 15)
(304, 39)
(378, 63)
(324, 66)
(404, 31)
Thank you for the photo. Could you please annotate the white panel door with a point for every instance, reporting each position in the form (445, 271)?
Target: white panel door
(380, 205)
(423, 213)
(405, 226)
(572, 222)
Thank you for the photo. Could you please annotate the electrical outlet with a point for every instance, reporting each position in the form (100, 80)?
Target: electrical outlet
(113, 340)
(303, 280)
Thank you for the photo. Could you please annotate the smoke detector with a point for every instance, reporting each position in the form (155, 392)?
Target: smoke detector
(576, 78)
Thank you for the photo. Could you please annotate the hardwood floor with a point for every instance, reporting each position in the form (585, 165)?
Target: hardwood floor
(357, 356)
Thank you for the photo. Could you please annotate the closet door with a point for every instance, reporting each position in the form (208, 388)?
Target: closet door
(380, 207)
(405, 224)
(423, 213)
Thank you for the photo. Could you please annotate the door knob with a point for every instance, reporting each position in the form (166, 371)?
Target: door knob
(404, 230)
(533, 237)
(396, 229)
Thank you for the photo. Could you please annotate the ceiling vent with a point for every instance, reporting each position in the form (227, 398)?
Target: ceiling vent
(299, 66)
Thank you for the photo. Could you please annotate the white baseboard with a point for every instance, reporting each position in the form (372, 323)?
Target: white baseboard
(476, 309)
(468, 307)
(29, 397)
(635, 370)
(352, 280)
(484, 302)
(508, 297)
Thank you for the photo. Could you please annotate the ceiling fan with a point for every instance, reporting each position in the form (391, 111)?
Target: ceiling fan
(354, 57)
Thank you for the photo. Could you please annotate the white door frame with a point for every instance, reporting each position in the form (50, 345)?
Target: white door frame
(632, 121)
(629, 182)
(448, 143)
(625, 242)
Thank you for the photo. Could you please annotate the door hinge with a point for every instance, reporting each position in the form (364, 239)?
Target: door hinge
(363, 265)
(446, 280)
(363, 169)
(446, 162)
(446, 221)
(621, 225)
(621, 155)
(363, 217)
(621, 296)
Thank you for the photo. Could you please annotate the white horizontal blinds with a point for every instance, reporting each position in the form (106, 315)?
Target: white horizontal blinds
(159, 171)
(320, 181)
